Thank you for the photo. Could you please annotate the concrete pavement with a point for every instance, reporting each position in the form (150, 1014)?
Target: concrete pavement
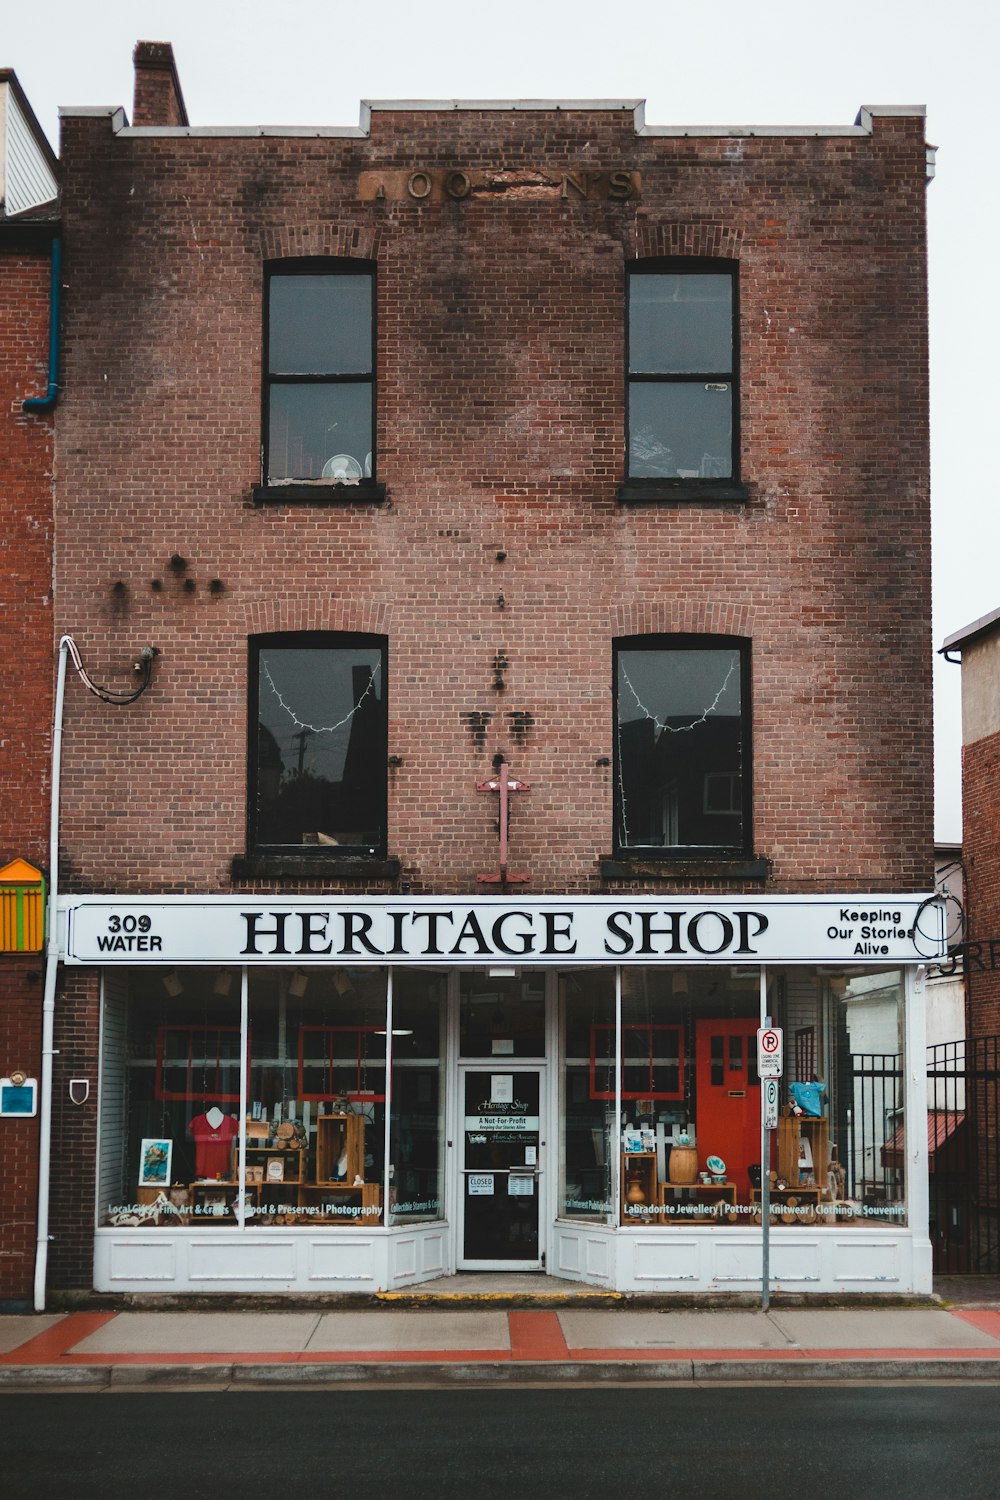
(477, 1335)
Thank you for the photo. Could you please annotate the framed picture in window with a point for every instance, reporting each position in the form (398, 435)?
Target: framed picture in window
(155, 1154)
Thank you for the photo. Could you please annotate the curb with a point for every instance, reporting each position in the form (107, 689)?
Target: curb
(705, 1371)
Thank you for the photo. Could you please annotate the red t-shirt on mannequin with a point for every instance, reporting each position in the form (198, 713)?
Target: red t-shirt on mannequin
(213, 1134)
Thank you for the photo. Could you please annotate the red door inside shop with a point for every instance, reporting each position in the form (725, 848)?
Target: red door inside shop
(728, 1114)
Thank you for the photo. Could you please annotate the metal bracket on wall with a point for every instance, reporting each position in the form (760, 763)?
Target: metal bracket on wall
(504, 784)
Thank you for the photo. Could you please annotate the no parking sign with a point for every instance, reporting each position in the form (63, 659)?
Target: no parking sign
(770, 1052)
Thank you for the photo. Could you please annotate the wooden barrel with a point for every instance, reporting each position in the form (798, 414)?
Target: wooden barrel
(683, 1165)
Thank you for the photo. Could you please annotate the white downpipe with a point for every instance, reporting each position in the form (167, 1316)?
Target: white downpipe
(49, 995)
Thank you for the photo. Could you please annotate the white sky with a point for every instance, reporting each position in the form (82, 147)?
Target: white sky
(243, 62)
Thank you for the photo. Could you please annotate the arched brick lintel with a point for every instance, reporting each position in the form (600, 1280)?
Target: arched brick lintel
(684, 617)
(708, 241)
(288, 241)
(269, 616)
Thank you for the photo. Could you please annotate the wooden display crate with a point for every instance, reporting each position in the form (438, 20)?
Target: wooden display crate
(334, 1133)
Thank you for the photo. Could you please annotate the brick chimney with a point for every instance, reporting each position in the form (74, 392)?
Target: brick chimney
(158, 99)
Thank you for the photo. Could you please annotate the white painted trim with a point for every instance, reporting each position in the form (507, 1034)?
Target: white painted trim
(863, 125)
(916, 1184)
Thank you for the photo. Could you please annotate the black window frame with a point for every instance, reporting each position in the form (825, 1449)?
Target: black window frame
(728, 487)
(299, 640)
(687, 852)
(298, 488)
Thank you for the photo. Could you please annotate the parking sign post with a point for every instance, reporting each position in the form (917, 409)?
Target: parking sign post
(770, 1063)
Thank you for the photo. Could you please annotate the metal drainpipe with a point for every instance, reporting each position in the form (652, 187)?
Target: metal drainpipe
(48, 401)
(49, 996)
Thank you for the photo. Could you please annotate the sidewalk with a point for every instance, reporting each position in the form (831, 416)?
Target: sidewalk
(465, 1338)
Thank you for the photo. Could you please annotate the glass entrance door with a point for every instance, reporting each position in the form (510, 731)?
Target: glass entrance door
(501, 1166)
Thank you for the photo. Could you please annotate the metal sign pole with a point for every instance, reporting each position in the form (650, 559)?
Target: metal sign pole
(765, 1169)
(770, 1066)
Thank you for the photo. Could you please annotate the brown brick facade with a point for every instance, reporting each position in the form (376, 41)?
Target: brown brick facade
(25, 697)
(980, 845)
(500, 426)
(500, 423)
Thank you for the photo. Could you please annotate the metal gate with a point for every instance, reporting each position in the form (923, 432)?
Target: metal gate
(963, 1112)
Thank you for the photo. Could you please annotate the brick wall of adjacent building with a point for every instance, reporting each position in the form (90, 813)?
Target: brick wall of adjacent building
(25, 700)
(981, 855)
(501, 429)
(74, 1132)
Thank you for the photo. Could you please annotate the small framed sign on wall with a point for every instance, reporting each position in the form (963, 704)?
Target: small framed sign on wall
(18, 1096)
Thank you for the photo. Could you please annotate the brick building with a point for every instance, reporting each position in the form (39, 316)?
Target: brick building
(28, 228)
(529, 507)
(977, 648)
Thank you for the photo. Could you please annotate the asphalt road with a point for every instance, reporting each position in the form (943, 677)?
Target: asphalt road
(788, 1443)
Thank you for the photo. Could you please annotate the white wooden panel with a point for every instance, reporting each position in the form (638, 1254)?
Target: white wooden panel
(129, 1258)
(344, 1262)
(241, 1259)
(670, 1260)
(867, 1264)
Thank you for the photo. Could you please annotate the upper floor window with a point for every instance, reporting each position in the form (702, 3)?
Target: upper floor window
(682, 746)
(318, 747)
(319, 410)
(682, 372)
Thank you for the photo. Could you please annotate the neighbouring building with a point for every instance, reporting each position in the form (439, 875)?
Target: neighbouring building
(976, 1226)
(528, 509)
(28, 266)
(977, 649)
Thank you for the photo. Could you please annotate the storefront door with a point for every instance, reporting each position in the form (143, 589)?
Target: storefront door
(729, 1096)
(502, 1144)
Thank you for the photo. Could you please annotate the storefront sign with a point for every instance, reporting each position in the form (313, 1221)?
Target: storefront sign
(590, 930)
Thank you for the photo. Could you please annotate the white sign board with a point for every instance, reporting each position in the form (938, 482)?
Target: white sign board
(481, 1185)
(302, 930)
(770, 1050)
(769, 1103)
(501, 1088)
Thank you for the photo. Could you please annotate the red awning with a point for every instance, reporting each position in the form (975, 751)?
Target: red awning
(941, 1126)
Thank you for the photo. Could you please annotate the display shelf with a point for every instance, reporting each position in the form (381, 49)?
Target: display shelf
(800, 1135)
(339, 1137)
(696, 1202)
(290, 1157)
(342, 1202)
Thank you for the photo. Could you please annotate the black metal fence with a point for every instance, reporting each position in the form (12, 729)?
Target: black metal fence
(963, 1130)
(872, 1127)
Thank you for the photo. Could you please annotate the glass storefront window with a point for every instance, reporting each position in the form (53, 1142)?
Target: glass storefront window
(171, 1088)
(170, 1091)
(416, 1126)
(502, 1017)
(587, 1094)
(866, 1109)
(670, 1137)
(316, 1096)
(690, 1127)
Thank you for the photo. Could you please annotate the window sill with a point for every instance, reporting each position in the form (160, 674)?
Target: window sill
(295, 867)
(756, 868)
(701, 491)
(319, 492)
